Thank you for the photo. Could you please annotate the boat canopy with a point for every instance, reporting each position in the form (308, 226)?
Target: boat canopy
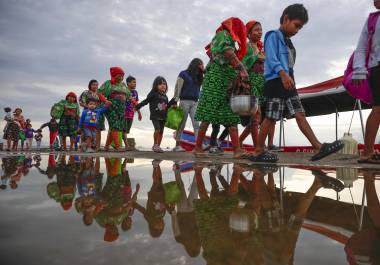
(327, 97)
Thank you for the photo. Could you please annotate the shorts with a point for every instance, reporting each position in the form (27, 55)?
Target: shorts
(159, 125)
(87, 132)
(278, 108)
(128, 125)
(374, 83)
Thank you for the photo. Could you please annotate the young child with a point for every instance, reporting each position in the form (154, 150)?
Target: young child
(280, 95)
(158, 106)
(89, 122)
(53, 131)
(29, 134)
(130, 110)
(38, 138)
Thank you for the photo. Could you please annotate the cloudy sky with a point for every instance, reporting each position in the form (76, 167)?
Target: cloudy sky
(51, 47)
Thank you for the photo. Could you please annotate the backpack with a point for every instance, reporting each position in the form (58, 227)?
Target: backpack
(362, 91)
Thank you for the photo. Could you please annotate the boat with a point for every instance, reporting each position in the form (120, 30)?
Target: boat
(320, 99)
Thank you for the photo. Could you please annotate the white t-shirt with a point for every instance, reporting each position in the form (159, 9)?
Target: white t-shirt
(360, 70)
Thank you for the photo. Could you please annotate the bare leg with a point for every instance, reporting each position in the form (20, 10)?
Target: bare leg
(265, 129)
(244, 134)
(371, 129)
(271, 134)
(63, 141)
(200, 137)
(159, 138)
(307, 131)
(98, 139)
(233, 131)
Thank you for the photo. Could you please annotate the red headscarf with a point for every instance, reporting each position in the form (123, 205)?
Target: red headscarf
(238, 33)
(114, 71)
(71, 94)
(249, 27)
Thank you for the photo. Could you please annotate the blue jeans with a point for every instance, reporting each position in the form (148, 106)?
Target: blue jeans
(89, 133)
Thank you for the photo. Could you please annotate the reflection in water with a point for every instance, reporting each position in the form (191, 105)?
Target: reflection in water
(15, 167)
(237, 218)
(363, 247)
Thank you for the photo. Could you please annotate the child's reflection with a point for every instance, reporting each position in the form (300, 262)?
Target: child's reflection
(156, 206)
(184, 225)
(117, 200)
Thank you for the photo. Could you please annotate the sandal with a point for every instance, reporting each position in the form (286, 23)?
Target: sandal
(328, 182)
(327, 149)
(267, 168)
(374, 159)
(265, 157)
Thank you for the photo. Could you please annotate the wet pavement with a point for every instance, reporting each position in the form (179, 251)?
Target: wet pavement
(61, 209)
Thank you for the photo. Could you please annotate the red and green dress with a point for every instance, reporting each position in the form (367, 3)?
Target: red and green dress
(213, 106)
(254, 63)
(118, 94)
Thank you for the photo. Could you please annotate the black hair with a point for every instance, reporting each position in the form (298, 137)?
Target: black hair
(7, 109)
(194, 70)
(158, 81)
(91, 99)
(91, 82)
(295, 11)
(130, 78)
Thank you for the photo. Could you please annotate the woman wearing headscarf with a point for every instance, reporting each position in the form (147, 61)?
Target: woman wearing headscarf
(224, 67)
(254, 62)
(116, 91)
(68, 121)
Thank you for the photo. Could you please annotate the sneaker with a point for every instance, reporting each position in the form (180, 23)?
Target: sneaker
(178, 148)
(215, 151)
(157, 149)
(156, 162)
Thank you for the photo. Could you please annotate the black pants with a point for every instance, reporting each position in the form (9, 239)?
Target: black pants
(215, 132)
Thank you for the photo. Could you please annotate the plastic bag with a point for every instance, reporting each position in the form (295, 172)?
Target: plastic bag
(172, 192)
(174, 118)
(57, 110)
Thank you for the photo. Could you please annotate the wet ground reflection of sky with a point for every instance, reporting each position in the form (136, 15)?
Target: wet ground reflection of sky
(246, 222)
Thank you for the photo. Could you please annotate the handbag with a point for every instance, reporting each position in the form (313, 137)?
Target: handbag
(363, 90)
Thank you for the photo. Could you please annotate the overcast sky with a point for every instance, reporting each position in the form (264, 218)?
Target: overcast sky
(48, 48)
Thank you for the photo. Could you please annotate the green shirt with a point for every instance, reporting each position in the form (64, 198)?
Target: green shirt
(107, 88)
(221, 42)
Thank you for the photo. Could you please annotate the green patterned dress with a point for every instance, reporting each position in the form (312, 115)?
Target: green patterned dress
(213, 106)
(68, 124)
(256, 79)
(115, 115)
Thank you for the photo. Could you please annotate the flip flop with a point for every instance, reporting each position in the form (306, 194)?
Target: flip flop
(328, 149)
(265, 157)
(328, 182)
(268, 168)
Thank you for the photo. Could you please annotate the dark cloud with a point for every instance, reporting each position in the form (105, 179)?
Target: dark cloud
(48, 48)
